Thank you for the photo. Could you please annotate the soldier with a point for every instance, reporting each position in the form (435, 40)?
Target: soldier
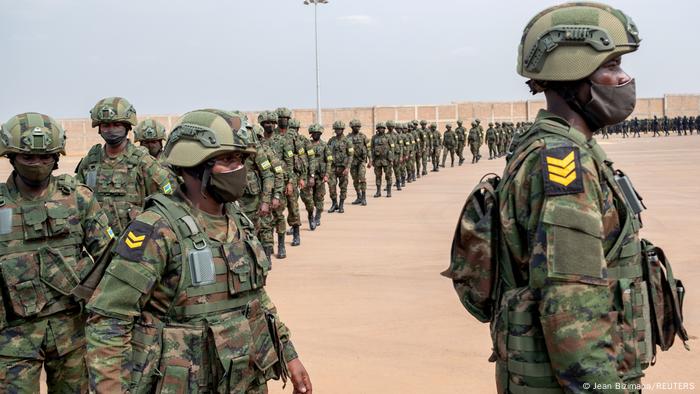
(397, 151)
(655, 127)
(358, 171)
(297, 143)
(666, 124)
(52, 231)
(481, 135)
(121, 174)
(410, 167)
(572, 308)
(284, 155)
(437, 142)
(150, 134)
(461, 140)
(427, 146)
(341, 153)
(183, 300)
(382, 155)
(320, 160)
(474, 142)
(419, 147)
(491, 140)
(449, 142)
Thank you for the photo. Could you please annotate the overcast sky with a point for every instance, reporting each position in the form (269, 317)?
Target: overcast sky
(170, 56)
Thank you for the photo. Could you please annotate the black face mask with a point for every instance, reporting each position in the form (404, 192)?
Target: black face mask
(338, 133)
(268, 127)
(316, 136)
(113, 138)
(34, 175)
(610, 105)
(228, 186)
(283, 123)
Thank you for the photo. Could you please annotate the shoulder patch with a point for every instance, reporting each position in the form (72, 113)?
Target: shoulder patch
(265, 165)
(133, 240)
(561, 171)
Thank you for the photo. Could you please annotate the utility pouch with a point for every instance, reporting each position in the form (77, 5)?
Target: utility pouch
(181, 359)
(34, 217)
(21, 278)
(56, 272)
(202, 268)
(146, 350)
(232, 340)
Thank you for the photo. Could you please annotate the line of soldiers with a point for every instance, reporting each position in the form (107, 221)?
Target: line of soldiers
(144, 272)
(631, 128)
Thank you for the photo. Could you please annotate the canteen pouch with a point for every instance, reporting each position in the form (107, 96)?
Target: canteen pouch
(473, 258)
(666, 295)
(181, 360)
(146, 350)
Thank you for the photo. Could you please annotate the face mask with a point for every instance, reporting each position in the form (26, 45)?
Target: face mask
(113, 137)
(228, 186)
(34, 175)
(283, 123)
(268, 128)
(315, 136)
(155, 150)
(610, 105)
(339, 133)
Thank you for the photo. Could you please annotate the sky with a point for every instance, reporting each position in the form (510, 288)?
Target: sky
(59, 57)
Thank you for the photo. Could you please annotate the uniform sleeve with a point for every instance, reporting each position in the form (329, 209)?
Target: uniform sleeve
(350, 151)
(262, 161)
(289, 352)
(157, 179)
(137, 262)
(312, 159)
(278, 171)
(566, 264)
(289, 160)
(95, 224)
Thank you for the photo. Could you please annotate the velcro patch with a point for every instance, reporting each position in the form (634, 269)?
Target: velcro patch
(290, 153)
(133, 241)
(278, 169)
(351, 149)
(265, 165)
(301, 151)
(310, 152)
(561, 171)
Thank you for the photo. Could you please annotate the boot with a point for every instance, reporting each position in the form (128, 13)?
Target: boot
(281, 251)
(364, 198)
(334, 205)
(317, 219)
(398, 185)
(388, 190)
(358, 200)
(379, 191)
(340, 206)
(296, 241)
(268, 252)
(425, 172)
(312, 222)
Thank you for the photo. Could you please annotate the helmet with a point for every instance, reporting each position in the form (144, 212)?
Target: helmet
(258, 130)
(477, 121)
(459, 122)
(113, 110)
(390, 123)
(490, 124)
(423, 122)
(203, 134)
(294, 123)
(448, 125)
(283, 112)
(267, 116)
(338, 124)
(381, 125)
(32, 133)
(433, 125)
(149, 130)
(355, 123)
(570, 41)
(315, 128)
(415, 122)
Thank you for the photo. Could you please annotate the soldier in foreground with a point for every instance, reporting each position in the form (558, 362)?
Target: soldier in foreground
(150, 134)
(570, 305)
(51, 231)
(182, 306)
(121, 174)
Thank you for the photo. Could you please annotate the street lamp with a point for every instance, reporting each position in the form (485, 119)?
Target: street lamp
(318, 80)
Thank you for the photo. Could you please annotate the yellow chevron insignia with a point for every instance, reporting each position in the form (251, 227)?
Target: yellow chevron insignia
(561, 162)
(561, 174)
(134, 241)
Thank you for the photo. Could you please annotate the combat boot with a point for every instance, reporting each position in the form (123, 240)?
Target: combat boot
(281, 251)
(379, 191)
(268, 252)
(388, 190)
(312, 223)
(340, 206)
(398, 185)
(364, 198)
(334, 205)
(425, 172)
(296, 241)
(317, 219)
(417, 175)
(358, 200)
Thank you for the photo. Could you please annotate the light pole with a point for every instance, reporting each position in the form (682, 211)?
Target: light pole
(318, 80)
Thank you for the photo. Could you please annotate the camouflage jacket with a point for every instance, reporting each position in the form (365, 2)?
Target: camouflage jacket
(361, 144)
(319, 159)
(261, 181)
(121, 184)
(284, 153)
(183, 296)
(342, 151)
(473, 136)
(296, 143)
(436, 137)
(461, 134)
(418, 138)
(490, 135)
(395, 144)
(449, 139)
(382, 151)
(48, 251)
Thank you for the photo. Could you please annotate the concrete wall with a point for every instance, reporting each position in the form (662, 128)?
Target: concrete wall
(81, 136)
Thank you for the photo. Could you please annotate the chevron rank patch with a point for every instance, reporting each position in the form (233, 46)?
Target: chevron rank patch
(133, 241)
(561, 171)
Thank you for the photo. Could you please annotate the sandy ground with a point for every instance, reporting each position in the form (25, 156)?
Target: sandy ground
(370, 313)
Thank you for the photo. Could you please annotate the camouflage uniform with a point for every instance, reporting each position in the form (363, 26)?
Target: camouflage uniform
(182, 306)
(491, 141)
(396, 150)
(435, 149)
(427, 141)
(449, 141)
(320, 160)
(298, 145)
(420, 147)
(474, 142)
(48, 246)
(358, 171)
(382, 155)
(342, 151)
(122, 183)
(461, 141)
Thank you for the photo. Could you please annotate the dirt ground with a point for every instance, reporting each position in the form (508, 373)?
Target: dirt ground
(370, 313)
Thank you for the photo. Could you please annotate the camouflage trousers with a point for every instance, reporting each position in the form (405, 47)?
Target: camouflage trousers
(378, 170)
(411, 166)
(293, 218)
(492, 149)
(474, 148)
(66, 370)
(435, 157)
(262, 227)
(337, 179)
(359, 176)
(424, 161)
(451, 151)
(460, 149)
(273, 222)
(396, 167)
(313, 196)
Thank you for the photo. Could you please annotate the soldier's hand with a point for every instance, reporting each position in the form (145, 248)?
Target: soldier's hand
(275, 203)
(264, 209)
(300, 378)
(369, 165)
(346, 171)
(301, 183)
(288, 189)
(312, 182)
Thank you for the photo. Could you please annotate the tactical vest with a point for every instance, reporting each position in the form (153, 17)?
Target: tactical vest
(358, 142)
(339, 149)
(42, 258)
(316, 152)
(381, 148)
(519, 347)
(213, 319)
(116, 188)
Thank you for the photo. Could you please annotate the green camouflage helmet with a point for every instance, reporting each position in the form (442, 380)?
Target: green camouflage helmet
(423, 122)
(32, 133)
(294, 124)
(380, 125)
(459, 122)
(283, 112)
(267, 116)
(315, 128)
(477, 121)
(355, 123)
(433, 125)
(203, 134)
(338, 124)
(490, 124)
(390, 123)
(149, 130)
(415, 123)
(113, 110)
(570, 41)
(258, 130)
(448, 125)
